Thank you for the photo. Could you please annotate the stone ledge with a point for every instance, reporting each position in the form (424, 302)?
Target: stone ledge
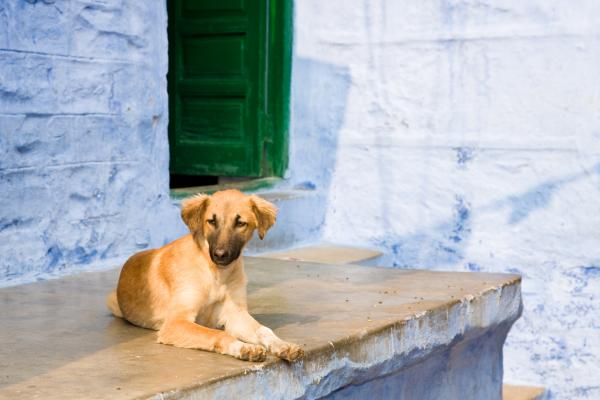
(245, 186)
(325, 254)
(518, 392)
(356, 325)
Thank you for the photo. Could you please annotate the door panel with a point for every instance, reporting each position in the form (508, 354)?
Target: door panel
(216, 87)
(207, 56)
(206, 118)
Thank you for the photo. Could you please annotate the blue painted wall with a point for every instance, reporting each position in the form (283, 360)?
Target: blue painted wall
(83, 143)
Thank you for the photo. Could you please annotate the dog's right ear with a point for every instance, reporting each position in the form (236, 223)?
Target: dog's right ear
(192, 211)
(265, 213)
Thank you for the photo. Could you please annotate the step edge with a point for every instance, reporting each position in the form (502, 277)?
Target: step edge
(283, 254)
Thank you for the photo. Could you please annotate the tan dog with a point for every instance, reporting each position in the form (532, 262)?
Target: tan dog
(192, 286)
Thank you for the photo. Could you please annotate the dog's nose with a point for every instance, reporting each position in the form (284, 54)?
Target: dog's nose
(220, 253)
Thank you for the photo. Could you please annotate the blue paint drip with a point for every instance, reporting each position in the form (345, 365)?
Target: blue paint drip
(54, 254)
(539, 309)
(534, 199)
(441, 244)
(448, 250)
(5, 224)
(113, 174)
(463, 156)
(79, 255)
(462, 215)
(28, 147)
(474, 267)
(582, 277)
(306, 185)
(591, 271)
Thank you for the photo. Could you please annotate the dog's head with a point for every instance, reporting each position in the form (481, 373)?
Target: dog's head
(227, 220)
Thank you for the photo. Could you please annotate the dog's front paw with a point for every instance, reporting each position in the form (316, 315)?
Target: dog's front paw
(252, 352)
(287, 351)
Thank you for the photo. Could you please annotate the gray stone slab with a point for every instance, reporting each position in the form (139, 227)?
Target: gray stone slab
(355, 324)
(325, 254)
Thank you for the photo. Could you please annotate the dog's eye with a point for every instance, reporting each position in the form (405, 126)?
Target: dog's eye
(240, 224)
(211, 222)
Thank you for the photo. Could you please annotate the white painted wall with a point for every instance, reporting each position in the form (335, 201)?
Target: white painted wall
(465, 135)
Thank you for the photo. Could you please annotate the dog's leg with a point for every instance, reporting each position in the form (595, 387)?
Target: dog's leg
(181, 332)
(239, 323)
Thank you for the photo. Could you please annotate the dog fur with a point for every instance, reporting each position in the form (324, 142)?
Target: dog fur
(189, 288)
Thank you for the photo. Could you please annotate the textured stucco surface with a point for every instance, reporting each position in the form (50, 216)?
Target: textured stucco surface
(83, 140)
(465, 136)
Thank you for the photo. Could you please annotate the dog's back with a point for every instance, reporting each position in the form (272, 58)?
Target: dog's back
(113, 304)
(132, 298)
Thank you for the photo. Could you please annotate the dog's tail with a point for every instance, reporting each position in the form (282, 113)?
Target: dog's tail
(113, 304)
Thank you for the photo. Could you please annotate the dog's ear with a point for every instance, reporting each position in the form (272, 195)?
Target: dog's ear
(192, 211)
(265, 213)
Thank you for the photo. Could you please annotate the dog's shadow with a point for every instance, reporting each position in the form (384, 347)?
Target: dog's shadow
(278, 320)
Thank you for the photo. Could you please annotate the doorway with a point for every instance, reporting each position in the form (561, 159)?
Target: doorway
(229, 87)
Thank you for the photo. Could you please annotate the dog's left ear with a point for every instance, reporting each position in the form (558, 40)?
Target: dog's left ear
(192, 211)
(265, 213)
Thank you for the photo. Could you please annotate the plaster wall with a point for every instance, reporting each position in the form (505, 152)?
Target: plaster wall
(465, 135)
(83, 140)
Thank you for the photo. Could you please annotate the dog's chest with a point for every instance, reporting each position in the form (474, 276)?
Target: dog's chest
(209, 313)
(217, 293)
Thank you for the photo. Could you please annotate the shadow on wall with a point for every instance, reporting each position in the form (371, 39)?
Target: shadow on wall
(319, 96)
(523, 204)
(318, 105)
(445, 243)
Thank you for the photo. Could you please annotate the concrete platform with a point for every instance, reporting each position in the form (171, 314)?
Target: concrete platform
(326, 254)
(366, 331)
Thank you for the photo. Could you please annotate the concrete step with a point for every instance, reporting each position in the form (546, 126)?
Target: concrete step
(326, 254)
(367, 333)
(516, 392)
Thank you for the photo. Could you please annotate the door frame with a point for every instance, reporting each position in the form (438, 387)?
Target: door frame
(274, 115)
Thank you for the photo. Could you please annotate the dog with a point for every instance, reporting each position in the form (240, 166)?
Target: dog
(190, 288)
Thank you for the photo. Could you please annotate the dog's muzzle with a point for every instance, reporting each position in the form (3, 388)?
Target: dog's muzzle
(223, 257)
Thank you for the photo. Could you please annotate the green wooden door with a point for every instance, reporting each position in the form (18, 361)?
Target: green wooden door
(216, 86)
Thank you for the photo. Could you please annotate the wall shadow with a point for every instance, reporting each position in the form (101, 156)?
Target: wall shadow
(318, 105)
(319, 97)
(523, 204)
